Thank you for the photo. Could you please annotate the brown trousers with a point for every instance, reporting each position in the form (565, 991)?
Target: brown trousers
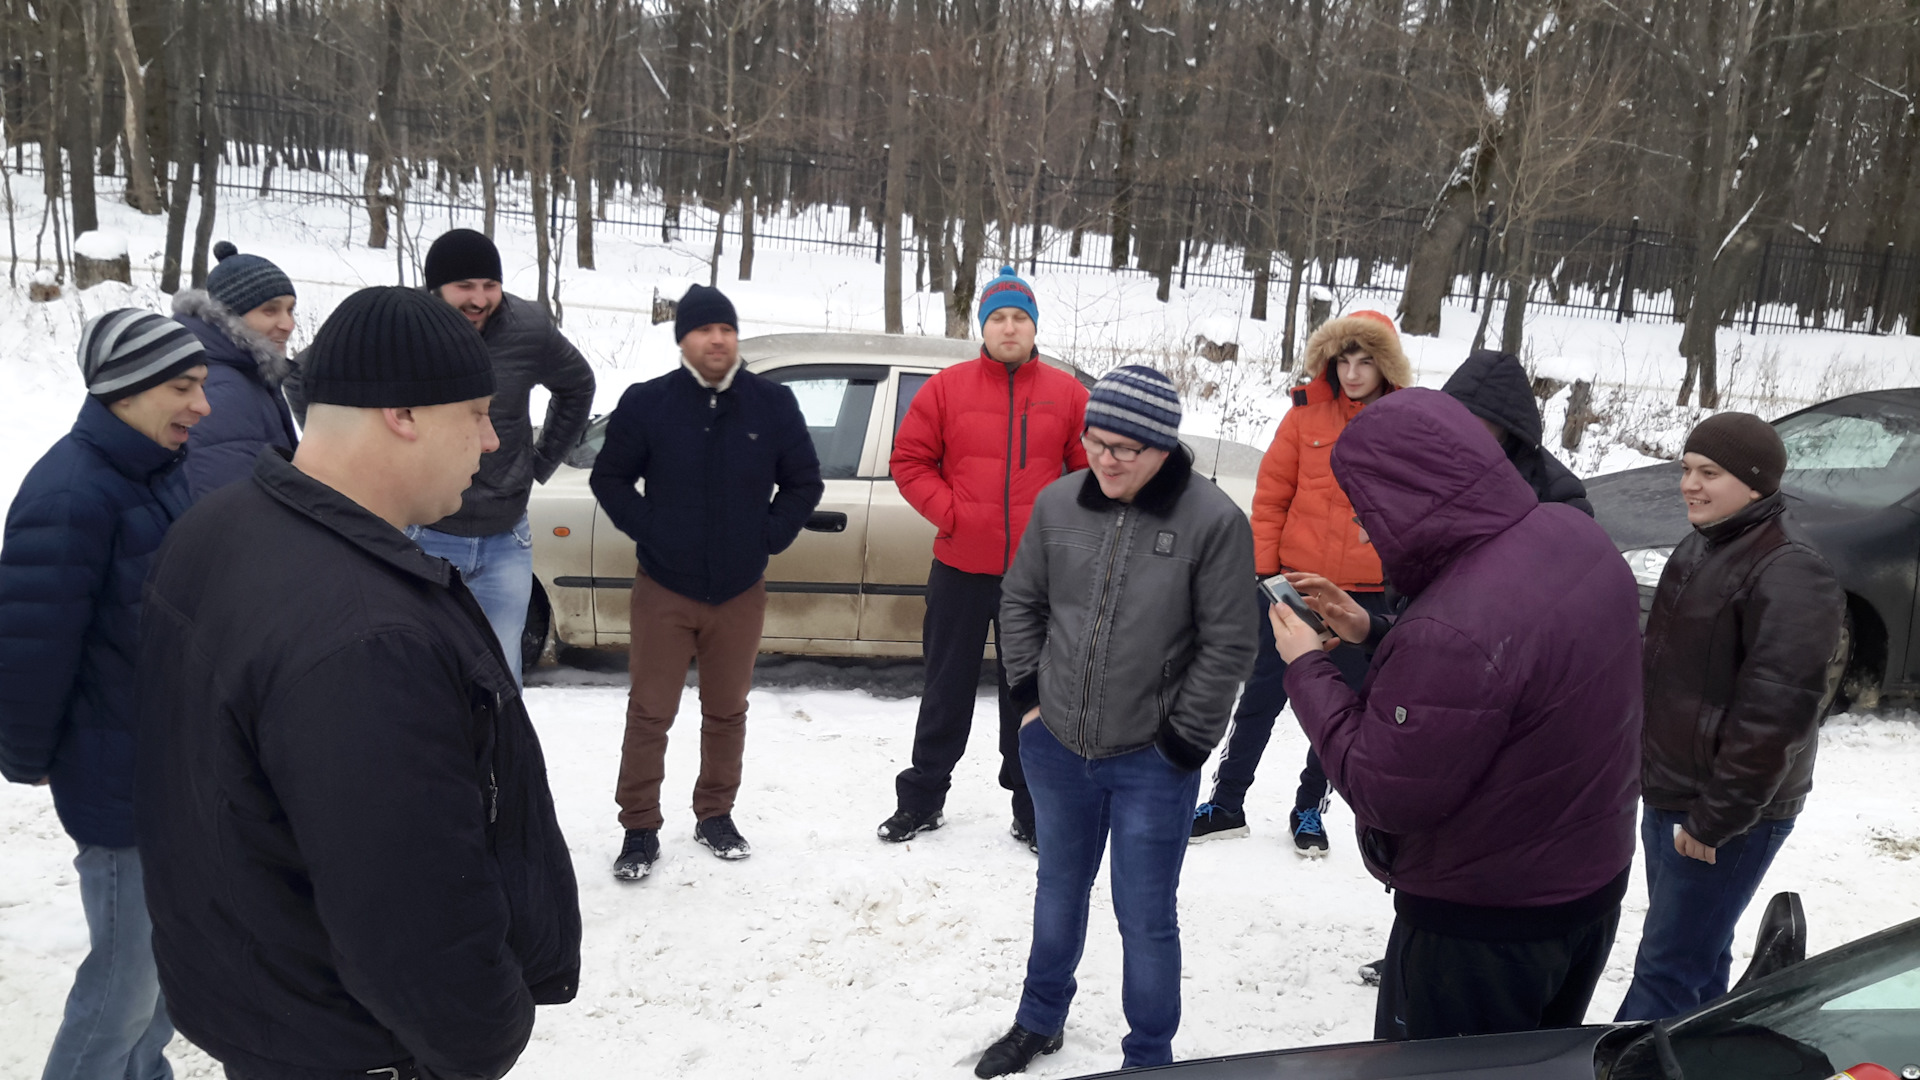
(668, 631)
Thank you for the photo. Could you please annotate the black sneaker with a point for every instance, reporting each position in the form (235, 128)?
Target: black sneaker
(637, 855)
(1024, 832)
(1014, 1052)
(1211, 821)
(904, 825)
(721, 838)
(1309, 833)
(1370, 973)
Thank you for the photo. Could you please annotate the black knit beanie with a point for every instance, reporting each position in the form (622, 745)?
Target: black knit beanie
(394, 348)
(702, 307)
(1744, 445)
(462, 255)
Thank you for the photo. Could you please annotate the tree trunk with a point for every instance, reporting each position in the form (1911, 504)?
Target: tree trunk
(379, 141)
(1513, 328)
(896, 208)
(182, 85)
(1448, 224)
(749, 206)
(142, 193)
(539, 158)
(208, 137)
(582, 168)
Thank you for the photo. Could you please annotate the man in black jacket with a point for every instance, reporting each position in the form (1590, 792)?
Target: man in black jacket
(487, 537)
(731, 477)
(353, 864)
(1495, 387)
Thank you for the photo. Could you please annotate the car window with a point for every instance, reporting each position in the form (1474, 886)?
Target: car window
(1866, 455)
(837, 402)
(910, 384)
(587, 450)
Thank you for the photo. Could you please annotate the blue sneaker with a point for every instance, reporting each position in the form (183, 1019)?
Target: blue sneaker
(1309, 834)
(1211, 821)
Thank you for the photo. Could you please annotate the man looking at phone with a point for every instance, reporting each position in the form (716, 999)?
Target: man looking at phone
(1492, 758)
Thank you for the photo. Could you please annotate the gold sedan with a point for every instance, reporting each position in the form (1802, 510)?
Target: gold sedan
(855, 582)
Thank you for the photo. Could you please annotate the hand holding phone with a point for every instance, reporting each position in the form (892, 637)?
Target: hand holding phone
(1279, 590)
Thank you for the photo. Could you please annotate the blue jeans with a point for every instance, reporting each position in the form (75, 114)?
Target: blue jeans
(116, 1024)
(498, 569)
(1147, 807)
(1686, 948)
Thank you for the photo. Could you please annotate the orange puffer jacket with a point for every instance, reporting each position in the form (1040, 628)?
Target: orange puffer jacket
(1301, 518)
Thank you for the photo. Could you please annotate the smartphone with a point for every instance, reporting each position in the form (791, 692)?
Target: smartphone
(1281, 591)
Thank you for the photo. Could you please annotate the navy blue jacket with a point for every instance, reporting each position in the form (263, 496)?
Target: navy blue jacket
(80, 536)
(243, 391)
(712, 461)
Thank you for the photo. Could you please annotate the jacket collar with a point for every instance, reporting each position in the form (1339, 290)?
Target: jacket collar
(1158, 497)
(996, 368)
(1754, 513)
(726, 381)
(227, 337)
(354, 523)
(131, 454)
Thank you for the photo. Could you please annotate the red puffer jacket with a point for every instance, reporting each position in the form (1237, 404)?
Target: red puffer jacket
(977, 447)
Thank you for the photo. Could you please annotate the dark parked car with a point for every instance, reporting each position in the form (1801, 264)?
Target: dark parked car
(1859, 1003)
(1853, 478)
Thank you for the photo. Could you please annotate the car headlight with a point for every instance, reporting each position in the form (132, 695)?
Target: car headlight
(1647, 564)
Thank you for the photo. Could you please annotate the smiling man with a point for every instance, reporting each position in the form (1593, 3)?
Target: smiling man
(80, 536)
(355, 865)
(244, 318)
(1744, 624)
(1125, 631)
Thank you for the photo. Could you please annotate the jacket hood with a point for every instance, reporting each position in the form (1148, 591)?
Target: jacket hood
(1494, 386)
(1335, 336)
(230, 341)
(1428, 482)
(131, 453)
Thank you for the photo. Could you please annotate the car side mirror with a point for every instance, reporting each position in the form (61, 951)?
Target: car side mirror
(1782, 941)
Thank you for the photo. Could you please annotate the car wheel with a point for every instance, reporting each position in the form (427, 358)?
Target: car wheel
(533, 637)
(1852, 682)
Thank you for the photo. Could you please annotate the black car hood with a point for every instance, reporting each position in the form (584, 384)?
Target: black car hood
(1560, 1054)
(1640, 508)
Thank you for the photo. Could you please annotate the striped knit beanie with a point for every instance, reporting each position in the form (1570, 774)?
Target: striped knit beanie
(392, 348)
(1008, 290)
(244, 282)
(126, 351)
(1139, 403)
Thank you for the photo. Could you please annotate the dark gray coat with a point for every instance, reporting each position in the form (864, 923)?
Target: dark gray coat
(528, 351)
(1128, 623)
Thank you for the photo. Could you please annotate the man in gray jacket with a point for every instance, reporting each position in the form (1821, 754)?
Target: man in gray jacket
(1125, 632)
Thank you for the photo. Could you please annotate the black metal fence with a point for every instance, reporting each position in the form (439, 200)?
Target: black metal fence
(665, 185)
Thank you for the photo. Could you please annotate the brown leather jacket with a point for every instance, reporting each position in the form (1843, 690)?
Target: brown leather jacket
(1743, 626)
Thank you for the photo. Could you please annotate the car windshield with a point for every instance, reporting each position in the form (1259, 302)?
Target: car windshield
(1859, 1003)
(1857, 452)
(587, 450)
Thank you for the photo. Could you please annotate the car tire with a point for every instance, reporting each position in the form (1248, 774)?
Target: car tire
(1849, 686)
(533, 637)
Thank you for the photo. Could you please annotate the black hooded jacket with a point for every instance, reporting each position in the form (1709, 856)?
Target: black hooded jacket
(1494, 387)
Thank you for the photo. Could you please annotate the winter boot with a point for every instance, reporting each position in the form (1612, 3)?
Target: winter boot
(1215, 822)
(720, 837)
(1309, 834)
(1370, 973)
(1024, 832)
(906, 824)
(1014, 1052)
(637, 855)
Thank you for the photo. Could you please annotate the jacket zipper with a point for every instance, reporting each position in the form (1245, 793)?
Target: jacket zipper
(1093, 639)
(1023, 440)
(1006, 492)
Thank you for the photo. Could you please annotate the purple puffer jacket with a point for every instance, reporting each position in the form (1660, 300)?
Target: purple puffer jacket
(1493, 756)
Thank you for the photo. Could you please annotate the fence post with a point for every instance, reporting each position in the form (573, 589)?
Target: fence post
(1625, 310)
(1760, 286)
(1480, 271)
(1880, 290)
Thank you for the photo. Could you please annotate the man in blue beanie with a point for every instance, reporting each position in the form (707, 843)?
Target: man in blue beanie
(1126, 632)
(979, 442)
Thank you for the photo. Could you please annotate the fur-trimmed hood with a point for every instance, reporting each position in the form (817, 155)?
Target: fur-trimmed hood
(1371, 331)
(246, 343)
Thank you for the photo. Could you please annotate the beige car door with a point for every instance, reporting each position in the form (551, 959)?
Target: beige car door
(900, 542)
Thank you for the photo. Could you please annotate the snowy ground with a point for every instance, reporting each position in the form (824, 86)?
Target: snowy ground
(828, 953)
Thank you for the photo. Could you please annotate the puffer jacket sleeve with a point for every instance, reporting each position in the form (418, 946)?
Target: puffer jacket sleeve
(918, 449)
(796, 474)
(1559, 485)
(1409, 754)
(1273, 493)
(371, 753)
(1789, 630)
(58, 550)
(1228, 637)
(622, 462)
(224, 443)
(1025, 611)
(569, 378)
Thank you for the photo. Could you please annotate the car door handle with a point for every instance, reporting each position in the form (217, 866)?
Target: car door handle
(827, 521)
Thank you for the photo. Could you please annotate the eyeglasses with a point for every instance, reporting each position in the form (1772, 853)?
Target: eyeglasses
(1120, 453)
